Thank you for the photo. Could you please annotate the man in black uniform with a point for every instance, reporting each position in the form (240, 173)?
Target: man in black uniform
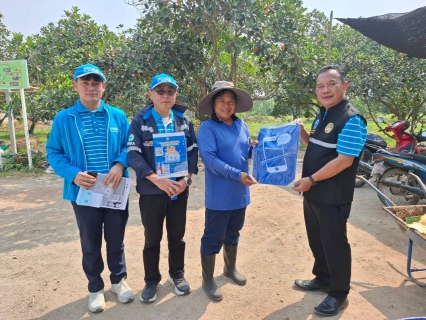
(334, 143)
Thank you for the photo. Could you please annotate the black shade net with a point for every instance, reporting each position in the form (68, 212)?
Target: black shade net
(403, 32)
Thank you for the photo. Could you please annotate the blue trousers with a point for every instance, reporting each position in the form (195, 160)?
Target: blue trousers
(91, 222)
(221, 227)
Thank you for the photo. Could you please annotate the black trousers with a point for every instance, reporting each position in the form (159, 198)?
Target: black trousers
(154, 210)
(326, 229)
(91, 222)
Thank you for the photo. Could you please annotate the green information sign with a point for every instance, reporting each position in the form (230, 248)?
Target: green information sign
(14, 74)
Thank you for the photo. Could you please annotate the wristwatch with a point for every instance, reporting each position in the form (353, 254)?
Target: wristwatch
(188, 181)
(312, 181)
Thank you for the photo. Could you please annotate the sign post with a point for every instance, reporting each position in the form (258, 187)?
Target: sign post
(14, 75)
(11, 125)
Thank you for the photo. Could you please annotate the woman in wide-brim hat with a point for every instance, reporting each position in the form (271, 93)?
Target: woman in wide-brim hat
(243, 100)
(225, 146)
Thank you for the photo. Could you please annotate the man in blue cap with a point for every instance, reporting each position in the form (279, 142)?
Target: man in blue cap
(161, 199)
(90, 137)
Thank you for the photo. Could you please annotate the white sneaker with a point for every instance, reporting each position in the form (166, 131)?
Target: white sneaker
(49, 170)
(123, 291)
(97, 301)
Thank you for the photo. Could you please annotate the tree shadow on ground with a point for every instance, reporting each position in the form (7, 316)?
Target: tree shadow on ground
(33, 213)
(303, 309)
(380, 298)
(167, 306)
(385, 299)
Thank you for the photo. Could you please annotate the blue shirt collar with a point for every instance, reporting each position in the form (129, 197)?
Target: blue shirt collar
(81, 108)
(159, 117)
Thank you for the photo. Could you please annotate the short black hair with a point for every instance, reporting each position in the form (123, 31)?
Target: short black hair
(91, 76)
(336, 67)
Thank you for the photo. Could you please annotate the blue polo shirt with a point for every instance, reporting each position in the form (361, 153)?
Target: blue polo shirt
(351, 139)
(169, 128)
(94, 138)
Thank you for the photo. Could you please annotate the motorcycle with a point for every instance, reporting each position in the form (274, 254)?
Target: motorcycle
(401, 176)
(405, 142)
(372, 145)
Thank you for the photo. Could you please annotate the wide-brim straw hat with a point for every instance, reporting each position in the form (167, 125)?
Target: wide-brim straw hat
(243, 103)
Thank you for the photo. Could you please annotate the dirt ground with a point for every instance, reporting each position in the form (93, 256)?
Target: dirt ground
(41, 275)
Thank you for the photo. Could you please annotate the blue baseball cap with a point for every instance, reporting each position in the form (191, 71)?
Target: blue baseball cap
(87, 69)
(163, 78)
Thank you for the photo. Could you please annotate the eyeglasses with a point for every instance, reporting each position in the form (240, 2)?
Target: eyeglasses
(163, 92)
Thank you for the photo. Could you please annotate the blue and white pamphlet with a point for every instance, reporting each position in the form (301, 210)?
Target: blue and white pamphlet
(170, 155)
(100, 196)
(275, 157)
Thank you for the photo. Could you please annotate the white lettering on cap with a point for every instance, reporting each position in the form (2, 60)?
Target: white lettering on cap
(90, 69)
(165, 79)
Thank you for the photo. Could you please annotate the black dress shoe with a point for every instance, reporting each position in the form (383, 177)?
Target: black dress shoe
(312, 285)
(331, 306)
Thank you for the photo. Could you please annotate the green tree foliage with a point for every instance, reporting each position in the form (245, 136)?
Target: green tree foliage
(4, 41)
(205, 41)
(4, 55)
(297, 95)
(271, 48)
(58, 49)
(10, 44)
(382, 77)
(262, 108)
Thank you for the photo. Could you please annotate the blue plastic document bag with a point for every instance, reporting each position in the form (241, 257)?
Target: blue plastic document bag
(275, 157)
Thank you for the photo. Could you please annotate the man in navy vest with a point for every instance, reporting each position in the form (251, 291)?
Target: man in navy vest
(334, 143)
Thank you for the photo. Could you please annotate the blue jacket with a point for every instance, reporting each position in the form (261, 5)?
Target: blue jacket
(65, 149)
(141, 151)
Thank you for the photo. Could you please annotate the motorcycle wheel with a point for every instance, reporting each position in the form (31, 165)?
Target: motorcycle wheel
(398, 196)
(366, 156)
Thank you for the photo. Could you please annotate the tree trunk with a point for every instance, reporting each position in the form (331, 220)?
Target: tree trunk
(32, 127)
(2, 119)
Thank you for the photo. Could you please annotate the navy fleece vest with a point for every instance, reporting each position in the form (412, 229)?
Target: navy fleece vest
(322, 149)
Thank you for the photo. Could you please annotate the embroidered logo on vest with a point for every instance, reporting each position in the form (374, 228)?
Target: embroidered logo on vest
(148, 143)
(329, 127)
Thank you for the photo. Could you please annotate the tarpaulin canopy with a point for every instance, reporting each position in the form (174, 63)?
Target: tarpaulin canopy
(403, 32)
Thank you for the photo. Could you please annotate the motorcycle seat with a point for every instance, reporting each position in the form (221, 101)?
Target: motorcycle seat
(420, 138)
(376, 140)
(411, 156)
